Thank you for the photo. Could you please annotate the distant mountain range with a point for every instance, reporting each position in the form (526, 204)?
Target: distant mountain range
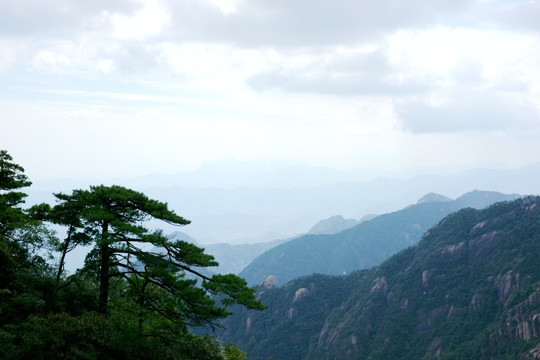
(336, 224)
(470, 289)
(247, 202)
(364, 245)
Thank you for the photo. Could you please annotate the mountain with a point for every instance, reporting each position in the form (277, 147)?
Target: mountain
(470, 289)
(433, 197)
(336, 224)
(362, 246)
(246, 202)
(332, 225)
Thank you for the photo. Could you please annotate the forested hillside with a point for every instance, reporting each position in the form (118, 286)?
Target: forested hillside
(126, 302)
(470, 289)
(364, 245)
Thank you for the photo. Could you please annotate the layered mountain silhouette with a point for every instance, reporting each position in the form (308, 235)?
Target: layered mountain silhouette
(469, 289)
(364, 245)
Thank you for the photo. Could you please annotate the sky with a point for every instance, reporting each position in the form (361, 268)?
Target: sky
(122, 88)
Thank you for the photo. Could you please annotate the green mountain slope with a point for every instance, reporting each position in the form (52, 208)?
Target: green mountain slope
(362, 246)
(470, 289)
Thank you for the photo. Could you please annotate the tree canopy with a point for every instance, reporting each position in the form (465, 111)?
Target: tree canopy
(137, 295)
(12, 179)
(113, 219)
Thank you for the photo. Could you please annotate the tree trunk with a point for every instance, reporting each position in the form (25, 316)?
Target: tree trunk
(104, 273)
(141, 303)
(63, 258)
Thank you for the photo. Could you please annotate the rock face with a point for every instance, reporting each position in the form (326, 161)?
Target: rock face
(519, 324)
(270, 282)
(300, 294)
(507, 284)
(426, 276)
(290, 313)
(470, 289)
(379, 285)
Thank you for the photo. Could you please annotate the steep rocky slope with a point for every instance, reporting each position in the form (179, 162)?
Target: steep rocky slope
(470, 289)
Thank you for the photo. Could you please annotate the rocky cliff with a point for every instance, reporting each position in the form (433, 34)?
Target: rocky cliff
(470, 288)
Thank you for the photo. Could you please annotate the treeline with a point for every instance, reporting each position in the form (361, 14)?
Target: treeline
(126, 302)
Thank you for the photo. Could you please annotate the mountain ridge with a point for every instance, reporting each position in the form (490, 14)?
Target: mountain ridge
(362, 246)
(470, 288)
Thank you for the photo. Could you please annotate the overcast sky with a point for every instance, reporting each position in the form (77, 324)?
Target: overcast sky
(109, 88)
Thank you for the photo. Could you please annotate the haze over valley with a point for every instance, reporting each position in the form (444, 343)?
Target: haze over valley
(326, 179)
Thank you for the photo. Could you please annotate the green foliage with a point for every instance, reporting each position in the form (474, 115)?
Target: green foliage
(127, 302)
(448, 297)
(233, 352)
(12, 178)
(363, 246)
(96, 336)
(112, 219)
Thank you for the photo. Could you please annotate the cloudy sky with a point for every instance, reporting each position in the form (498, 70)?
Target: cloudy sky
(130, 87)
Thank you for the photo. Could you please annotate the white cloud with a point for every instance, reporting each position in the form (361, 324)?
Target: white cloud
(149, 21)
(471, 111)
(326, 82)
(12, 49)
(58, 17)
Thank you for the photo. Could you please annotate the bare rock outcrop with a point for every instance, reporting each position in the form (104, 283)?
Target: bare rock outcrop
(379, 284)
(426, 276)
(300, 294)
(455, 250)
(291, 313)
(534, 353)
(270, 282)
(507, 284)
(476, 301)
(519, 325)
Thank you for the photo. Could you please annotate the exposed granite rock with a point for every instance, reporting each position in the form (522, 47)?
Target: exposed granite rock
(529, 205)
(519, 325)
(270, 282)
(454, 250)
(534, 353)
(291, 313)
(404, 304)
(484, 246)
(476, 302)
(507, 284)
(379, 284)
(454, 310)
(426, 276)
(478, 226)
(300, 294)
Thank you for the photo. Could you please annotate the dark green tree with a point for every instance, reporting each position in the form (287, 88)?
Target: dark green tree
(164, 280)
(12, 179)
(24, 280)
(147, 289)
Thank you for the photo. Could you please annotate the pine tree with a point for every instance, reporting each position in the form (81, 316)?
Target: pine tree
(165, 280)
(12, 178)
